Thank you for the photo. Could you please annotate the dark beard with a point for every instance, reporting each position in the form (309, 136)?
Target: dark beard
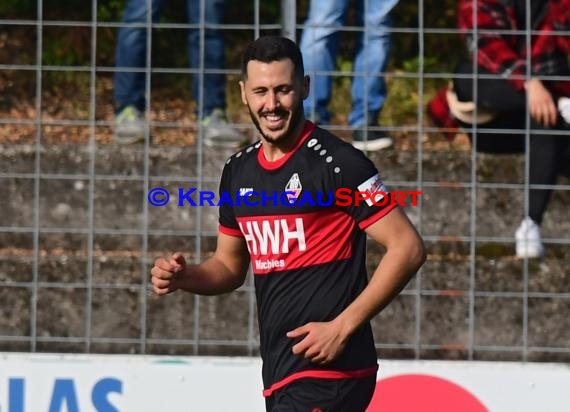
(296, 118)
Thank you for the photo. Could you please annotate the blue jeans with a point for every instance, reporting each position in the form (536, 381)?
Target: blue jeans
(130, 87)
(319, 44)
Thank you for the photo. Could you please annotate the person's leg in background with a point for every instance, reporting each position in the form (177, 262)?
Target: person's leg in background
(130, 86)
(319, 46)
(493, 93)
(369, 85)
(209, 87)
(548, 153)
(546, 156)
(510, 108)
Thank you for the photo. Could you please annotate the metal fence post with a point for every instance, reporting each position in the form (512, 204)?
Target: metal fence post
(289, 14)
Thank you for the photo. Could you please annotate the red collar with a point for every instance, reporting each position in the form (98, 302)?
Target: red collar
(266, 164)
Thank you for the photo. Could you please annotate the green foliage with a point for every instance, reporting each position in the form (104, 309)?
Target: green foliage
(110, 10)
(18, 9)
(55, 51)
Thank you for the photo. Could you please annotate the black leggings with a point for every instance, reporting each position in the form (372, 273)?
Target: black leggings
(547, 152)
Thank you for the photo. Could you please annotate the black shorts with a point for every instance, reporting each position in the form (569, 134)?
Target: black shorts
(323, 395)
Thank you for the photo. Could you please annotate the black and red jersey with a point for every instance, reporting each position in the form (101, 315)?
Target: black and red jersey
(308, 257)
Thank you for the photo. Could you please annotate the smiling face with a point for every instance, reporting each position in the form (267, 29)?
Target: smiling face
(274, 97)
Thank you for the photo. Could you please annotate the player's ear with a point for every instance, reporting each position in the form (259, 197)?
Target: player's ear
(242, 89)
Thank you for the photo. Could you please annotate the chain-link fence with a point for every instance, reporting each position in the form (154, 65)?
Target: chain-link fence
(78, 235)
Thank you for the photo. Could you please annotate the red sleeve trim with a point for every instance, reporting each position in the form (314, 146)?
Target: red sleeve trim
(377, 216)
(361, 373)
(230, 231)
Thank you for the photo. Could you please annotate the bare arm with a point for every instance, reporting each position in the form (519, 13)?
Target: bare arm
(323, 341)
(221, 273)
(405, 254)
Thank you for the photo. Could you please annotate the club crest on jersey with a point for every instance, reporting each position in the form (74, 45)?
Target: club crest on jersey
(293, 188)
(244, 191)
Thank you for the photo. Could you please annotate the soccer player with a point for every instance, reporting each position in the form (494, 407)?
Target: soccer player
(314, 298)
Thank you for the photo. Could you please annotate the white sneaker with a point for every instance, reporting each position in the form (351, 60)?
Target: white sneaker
(129, 126)
(564, 108)
(529, 243)
(374, 140)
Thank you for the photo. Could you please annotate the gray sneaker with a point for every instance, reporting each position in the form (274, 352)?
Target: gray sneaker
(217, 131)
(129, 126)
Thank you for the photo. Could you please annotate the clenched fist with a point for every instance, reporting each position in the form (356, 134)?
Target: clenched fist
(165, 272)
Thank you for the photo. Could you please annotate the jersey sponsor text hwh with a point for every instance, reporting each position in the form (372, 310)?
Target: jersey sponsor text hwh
(265, 236)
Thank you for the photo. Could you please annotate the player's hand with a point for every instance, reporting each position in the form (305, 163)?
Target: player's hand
(165, 272)
(321, 342)
(541, 104)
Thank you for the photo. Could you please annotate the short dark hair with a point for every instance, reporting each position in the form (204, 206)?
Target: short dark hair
(268, 49)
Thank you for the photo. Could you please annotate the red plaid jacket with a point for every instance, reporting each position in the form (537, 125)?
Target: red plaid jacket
(500, 50)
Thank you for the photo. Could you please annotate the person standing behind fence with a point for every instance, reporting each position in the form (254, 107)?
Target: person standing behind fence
(506, 100)
(314, 298)
(130, 86)
(319, 45)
